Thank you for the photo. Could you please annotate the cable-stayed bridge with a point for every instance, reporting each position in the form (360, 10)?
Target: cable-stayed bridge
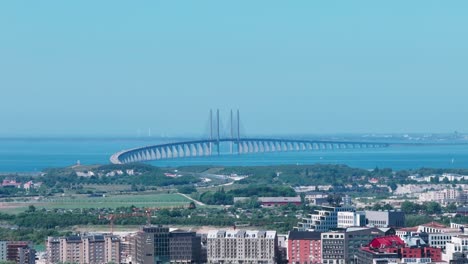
(237, 145)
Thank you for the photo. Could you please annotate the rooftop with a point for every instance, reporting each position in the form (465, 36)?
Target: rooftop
(387, 241)
(434, 225)
(296, 199)
(304, 235)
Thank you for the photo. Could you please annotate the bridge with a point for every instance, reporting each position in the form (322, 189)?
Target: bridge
(237, 145)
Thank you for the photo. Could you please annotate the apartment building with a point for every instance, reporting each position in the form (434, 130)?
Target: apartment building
(53, 250)
(21, 252)
(92, 249)
(323, 220)
(304, 247)
(456, 248)
(444, 196)
(71, 249)
(247, 247)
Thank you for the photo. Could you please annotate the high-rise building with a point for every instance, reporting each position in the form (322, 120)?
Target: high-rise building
(247, 247)
(71, 249)
(21, 252)
(152, 245)
(53, 250)
(184, 247)
(155, 244)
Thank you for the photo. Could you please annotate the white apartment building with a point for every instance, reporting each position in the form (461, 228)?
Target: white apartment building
(333, 248)
(438, 235)
(457, 246)
(351, 219)
(323, 220)
(443, 196)
(246, 247)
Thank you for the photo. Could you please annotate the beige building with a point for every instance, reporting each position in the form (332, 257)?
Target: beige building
(247, 247)
(94, 249)
(443, 196)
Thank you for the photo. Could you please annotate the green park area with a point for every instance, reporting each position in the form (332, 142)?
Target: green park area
(112, 201)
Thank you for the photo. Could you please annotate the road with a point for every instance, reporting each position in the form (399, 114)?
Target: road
(190, 198)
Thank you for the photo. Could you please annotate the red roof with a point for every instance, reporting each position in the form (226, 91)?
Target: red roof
(434, 225)
(387, 241)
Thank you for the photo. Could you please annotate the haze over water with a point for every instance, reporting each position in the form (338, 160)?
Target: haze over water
(33, 155)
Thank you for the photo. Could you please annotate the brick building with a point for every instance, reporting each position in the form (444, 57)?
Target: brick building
(304, 247)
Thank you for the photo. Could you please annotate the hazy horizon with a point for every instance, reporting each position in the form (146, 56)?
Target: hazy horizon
(111, 68)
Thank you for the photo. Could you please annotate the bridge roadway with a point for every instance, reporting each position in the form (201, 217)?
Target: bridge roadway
(208, 147)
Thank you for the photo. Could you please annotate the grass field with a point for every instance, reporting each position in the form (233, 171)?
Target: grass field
(114, 201)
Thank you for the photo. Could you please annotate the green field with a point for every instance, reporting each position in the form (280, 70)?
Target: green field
(114, 201)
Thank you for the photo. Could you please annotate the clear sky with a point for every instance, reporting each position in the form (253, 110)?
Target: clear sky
(113, 67)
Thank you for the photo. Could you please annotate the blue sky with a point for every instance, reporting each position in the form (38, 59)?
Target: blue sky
(113, 67)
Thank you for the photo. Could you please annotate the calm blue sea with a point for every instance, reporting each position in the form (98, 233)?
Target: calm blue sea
(33, 155)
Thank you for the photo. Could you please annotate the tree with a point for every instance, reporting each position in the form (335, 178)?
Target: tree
(408, 207)
(31, 209)
(387, 207)
(334, 199)
(433, 208)
(451, 208)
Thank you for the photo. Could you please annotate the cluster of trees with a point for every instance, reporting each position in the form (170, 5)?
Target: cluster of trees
(55, 180)
(221, 197)
(187, 189)
(425, 208)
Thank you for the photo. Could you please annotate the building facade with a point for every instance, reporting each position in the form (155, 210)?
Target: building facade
(458, 246)
(402, 250)
(83, 249)
(304, 247)
(247, 247)
(152, 245)
(342, 247)
(351, 219)
(53, 250)
(185, 247)
(323, 220)
(21, 252)
(3, 250)
(385, 218)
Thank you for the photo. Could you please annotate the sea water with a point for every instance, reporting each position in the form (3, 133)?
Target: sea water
(33, 155)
